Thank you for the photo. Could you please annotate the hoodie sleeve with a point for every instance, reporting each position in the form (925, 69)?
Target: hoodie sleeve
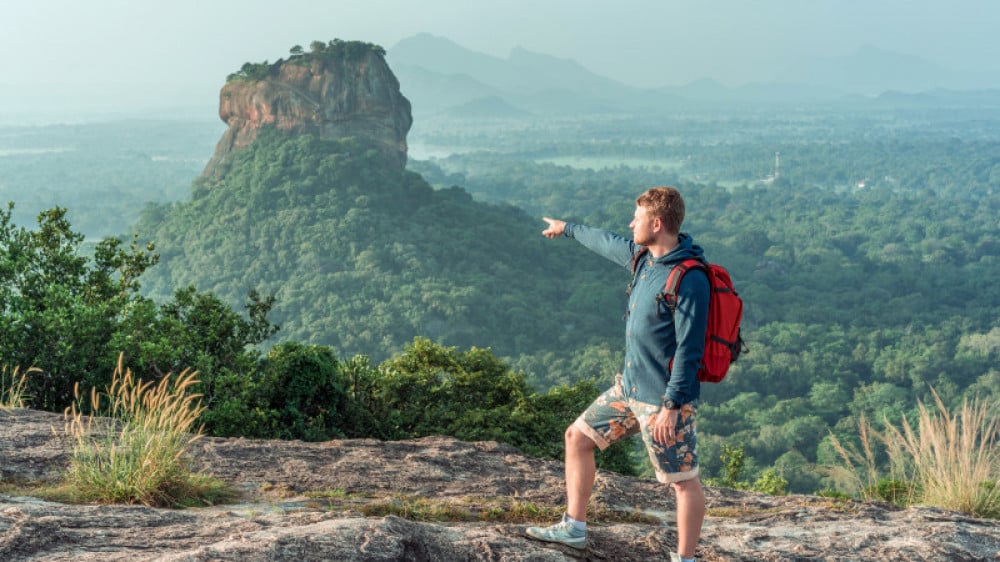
(603, 243)
(690, 323)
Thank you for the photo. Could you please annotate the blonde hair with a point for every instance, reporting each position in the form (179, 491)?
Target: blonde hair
(666, 204)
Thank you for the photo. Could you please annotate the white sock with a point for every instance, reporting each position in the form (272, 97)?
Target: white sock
(579, 525)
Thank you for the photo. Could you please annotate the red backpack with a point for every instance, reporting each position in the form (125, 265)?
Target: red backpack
(723, 341)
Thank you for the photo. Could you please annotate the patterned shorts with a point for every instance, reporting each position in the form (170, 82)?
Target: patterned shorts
(612, 417)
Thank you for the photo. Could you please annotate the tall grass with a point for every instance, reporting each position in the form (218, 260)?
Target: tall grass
(13, 387)
(945, 460)
(136, 452)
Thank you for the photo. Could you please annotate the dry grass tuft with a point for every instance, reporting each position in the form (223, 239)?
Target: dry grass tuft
(946, 460)
(14, 388)
(138, 456)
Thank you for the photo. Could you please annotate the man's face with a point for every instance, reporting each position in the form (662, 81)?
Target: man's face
(642, 226)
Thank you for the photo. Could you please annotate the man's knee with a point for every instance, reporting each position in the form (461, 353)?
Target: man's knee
(577, 439)
(687, 486)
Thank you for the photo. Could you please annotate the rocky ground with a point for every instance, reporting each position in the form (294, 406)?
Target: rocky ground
(307, 501)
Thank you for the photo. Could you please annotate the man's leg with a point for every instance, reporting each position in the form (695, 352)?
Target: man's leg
(690, 515)
(580, 472)
(676, 463)
(607, 419)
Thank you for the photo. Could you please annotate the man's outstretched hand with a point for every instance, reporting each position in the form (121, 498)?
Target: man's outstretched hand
(555, 229)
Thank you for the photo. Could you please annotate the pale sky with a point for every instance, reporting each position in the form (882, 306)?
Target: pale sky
(133, 51)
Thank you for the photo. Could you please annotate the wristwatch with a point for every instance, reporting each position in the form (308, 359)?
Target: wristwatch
(671, 405)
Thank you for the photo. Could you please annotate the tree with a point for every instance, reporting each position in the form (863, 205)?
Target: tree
(60, 309)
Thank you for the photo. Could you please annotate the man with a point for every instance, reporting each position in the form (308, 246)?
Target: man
(657, 392)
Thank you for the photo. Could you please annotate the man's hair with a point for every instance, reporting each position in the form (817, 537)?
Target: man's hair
(665, 203)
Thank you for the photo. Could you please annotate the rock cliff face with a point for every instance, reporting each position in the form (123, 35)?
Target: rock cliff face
(305, 501)
(331, 95)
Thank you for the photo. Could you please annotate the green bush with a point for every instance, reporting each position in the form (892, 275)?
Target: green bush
(429, 389)
(301, 386)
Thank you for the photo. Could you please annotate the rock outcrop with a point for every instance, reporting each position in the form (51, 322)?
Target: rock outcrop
(303, 501)
(348, 91)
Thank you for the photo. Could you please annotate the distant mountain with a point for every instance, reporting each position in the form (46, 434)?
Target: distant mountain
(871, 71)
(523, 72)
(432, 92)
(437, 74)
(440, 76)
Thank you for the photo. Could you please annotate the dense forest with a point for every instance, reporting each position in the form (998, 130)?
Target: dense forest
(363, 257)
(867, 266)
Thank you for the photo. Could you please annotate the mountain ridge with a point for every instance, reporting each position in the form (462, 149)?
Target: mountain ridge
(524, 76)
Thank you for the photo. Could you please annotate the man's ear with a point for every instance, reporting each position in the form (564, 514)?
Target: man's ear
(657, 223)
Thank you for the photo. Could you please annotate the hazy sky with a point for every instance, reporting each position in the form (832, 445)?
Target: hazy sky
(84, 51)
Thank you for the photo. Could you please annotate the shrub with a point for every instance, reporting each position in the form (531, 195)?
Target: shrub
(893, 491)
(301, 387)
(770, 481)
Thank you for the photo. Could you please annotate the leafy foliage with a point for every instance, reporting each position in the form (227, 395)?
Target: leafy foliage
(69, 316)
(733, 469)
(429, 389)
(302, 386)
(318, 50)
(296, 391)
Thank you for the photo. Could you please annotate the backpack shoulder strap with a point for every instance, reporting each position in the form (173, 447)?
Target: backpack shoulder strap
(636, 257)
(674, 280)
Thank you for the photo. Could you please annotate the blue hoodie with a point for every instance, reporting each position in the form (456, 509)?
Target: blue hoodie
(652, 335)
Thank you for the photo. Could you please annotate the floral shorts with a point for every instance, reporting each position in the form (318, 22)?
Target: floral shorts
(612, 417)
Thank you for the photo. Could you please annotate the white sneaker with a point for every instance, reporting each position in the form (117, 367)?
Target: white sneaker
(563, 533)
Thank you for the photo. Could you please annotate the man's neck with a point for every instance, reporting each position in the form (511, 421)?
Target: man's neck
(663, 245)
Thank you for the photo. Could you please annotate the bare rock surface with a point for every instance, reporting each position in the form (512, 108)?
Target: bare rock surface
(330, 97)
(283, 516)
